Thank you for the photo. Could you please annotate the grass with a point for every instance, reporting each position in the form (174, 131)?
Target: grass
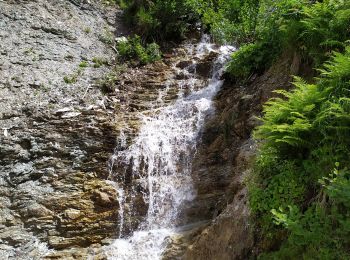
(83, 64)
(107, 36)
(73, 78)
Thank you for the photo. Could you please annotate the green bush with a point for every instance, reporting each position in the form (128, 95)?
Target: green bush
(133, 49)
(322, 231)
(159, 19)
(252, 58)
(261, 30)
(303, 134)
(313, 29)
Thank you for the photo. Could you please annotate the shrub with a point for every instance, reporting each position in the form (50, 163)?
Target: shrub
(313, 29)
(251, 58)
(133, 49)
(325, 28)
(159, 19)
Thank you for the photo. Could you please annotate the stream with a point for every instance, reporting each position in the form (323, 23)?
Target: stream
(157, 163)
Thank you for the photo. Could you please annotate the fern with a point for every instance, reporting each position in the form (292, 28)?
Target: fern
(309, 128)
(288, 120)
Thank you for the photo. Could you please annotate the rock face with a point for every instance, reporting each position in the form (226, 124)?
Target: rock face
(224, 161)
(56, 134)
(58, 131)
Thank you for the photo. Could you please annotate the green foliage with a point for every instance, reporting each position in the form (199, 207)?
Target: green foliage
(277, 191)
(325, 27)
(322, 231)
(313, 29)
(228, 21)
(305, 131)
(288, 124)
(108, 83)
(258, 27)
(87, 30)
(251, 58)
(159, 19)
(83, 64)
(70, 79)
(133, 49)
(73, 78)
(99, 62)
(107, 36)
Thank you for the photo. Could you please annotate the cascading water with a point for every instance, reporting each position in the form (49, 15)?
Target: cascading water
(158, 163)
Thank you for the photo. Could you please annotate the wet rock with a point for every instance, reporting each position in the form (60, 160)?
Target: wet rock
(184, 64)
(182, 76)
(105, 197)
(222, 163)
(203, 68)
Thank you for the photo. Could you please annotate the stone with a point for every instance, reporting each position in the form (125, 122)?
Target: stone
(103, 199)
(184, 64)
(63, 110)
(71, 115)
(72, 213)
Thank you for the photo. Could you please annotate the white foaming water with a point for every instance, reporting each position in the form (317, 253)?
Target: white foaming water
(160, 163)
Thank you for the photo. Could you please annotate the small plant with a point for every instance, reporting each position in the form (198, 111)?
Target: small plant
(44, 88)
(29, 51)
(73, 78)
(70, 79)
(108, 82)
(87, 30)
(98, 62)
(107, 36)
(83, 64)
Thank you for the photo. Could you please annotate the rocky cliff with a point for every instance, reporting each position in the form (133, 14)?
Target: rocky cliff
(223, 164)
(57, 131)
(65, 100)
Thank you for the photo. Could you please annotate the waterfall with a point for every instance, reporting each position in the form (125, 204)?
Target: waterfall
(158, 162)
